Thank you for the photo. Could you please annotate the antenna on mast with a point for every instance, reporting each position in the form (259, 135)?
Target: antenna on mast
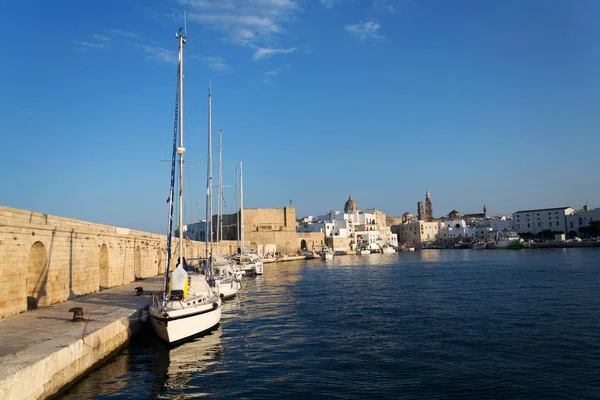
(184, 24)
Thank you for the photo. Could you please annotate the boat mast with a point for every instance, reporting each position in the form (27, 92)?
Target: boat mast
(241, 206)
(209, 227)
(220, 206)
(237, 207)
(181, 149)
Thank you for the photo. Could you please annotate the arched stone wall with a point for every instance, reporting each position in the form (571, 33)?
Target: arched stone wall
(137, 263)
(37, 285)
(104, 269)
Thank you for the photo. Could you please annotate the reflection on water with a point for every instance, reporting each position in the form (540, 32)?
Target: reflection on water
(428, 324)
(182, 363)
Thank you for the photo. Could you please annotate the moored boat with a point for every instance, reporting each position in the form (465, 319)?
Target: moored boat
(506, 240)
(184, 308)
(388, 249)
(326, 253)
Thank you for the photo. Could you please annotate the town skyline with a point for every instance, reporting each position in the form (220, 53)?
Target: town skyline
(489, 103)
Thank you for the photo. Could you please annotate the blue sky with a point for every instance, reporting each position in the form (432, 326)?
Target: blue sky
(481, 102)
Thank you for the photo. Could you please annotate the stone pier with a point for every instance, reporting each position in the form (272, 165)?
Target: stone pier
(44, 350)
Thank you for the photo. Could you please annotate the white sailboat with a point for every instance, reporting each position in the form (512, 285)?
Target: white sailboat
(248, 261)
(184, 309)
(220, 275)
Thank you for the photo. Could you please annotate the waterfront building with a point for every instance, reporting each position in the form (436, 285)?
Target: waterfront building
(535, 221)
(266, 230)
(457, 230)
(416, 233)
(580, 219)
(345, 231)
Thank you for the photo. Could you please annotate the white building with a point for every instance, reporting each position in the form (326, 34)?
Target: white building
(452, 231)
(580, 219)
(535, 221)
(366, 227)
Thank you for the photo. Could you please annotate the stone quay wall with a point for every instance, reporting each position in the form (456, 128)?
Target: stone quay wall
(46, 259)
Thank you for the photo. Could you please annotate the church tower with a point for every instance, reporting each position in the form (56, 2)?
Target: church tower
(428, 206)
(484, 212)
(420, 211)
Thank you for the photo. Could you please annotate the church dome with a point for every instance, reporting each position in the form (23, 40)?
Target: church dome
(350, 205)
(407, 215)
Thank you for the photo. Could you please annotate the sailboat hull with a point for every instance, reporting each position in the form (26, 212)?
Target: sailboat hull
(177, 325)
(227, 288)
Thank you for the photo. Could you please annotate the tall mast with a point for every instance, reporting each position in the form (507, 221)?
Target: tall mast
(209, 225)
(237, 207)
(241, 206)
(181, 149)
(220, 206)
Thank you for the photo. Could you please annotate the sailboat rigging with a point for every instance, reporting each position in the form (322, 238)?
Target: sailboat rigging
(183, 310)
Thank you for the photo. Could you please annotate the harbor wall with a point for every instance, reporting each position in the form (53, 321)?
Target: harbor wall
(45, 259)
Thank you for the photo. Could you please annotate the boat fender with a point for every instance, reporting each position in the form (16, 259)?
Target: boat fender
(215, 306)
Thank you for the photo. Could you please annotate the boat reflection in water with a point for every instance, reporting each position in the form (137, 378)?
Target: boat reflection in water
(181, 364)
(151, 368)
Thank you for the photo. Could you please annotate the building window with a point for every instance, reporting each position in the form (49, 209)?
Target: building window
(550, 223)
(528, 226)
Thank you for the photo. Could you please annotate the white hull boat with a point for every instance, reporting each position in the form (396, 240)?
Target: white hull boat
(388, 250)
(182, 310)
(326, 253)
(249, 263)
(363, 252)
(181, 323)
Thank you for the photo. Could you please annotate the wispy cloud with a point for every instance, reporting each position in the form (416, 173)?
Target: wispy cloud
(248, 23)
(365, 30)
(274, 72)
(330, 3)
(216, 64)
(100, 38)
(158, 53)
(119, 32)
(384, 5)
(263, 52)
(85, 45)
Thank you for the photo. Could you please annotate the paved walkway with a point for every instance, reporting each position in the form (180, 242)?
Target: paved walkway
(18, 332)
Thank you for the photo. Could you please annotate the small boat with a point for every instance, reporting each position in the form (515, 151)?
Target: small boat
(326, 253)
(247, 260)
(223, 277)
(506, 240)
(363, 251)
(184, 308)
(479, 245)
(388, 249)
(227, 281)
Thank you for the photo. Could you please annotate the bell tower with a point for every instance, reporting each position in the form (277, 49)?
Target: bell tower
(428, 206)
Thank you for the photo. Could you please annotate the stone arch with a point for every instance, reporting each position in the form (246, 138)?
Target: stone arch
(303, 246)
(137, 263)
(159, 262)
(36, 286)
(103, 267)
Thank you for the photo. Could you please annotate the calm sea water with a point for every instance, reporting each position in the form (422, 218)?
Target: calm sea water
(430, 324)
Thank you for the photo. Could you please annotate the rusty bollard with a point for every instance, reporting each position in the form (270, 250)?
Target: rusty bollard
(77, 314)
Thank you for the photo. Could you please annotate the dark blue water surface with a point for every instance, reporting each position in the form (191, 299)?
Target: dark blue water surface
(429, 324)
